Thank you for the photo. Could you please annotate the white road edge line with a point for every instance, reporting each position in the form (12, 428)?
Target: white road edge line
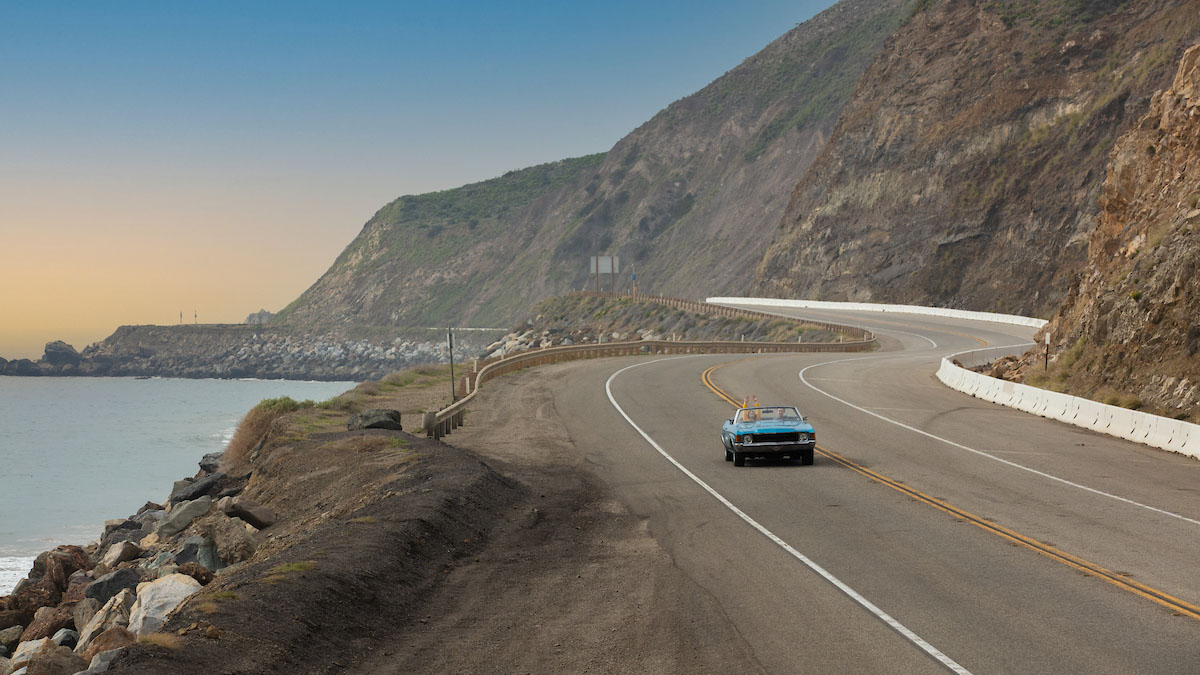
(981, 453)
(838, 583)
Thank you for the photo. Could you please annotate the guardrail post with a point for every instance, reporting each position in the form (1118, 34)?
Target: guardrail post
(429, 423)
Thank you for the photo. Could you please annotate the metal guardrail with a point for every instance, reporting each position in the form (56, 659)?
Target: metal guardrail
(440, 423)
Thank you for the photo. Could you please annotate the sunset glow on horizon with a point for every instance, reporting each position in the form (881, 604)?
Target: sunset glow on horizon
(215, 159)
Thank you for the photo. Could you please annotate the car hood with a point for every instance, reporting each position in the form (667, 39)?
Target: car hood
(771, 427)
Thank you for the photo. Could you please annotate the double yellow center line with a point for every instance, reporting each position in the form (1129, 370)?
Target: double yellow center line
(1171, 602)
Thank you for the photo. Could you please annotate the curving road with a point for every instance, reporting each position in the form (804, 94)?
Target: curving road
(935, 533)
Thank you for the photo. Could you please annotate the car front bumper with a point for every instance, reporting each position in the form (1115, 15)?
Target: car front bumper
(775, 449)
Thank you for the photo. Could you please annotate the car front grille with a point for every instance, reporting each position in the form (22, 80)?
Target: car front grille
(785, 437)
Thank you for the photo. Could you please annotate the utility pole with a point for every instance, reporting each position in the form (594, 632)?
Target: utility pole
(450, 342)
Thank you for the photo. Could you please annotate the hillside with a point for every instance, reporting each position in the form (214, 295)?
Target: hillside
(689, 199)
(1127, 333)
(965, 170)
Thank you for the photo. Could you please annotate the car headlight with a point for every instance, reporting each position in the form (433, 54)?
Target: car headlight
(748, 438)
(803, 437)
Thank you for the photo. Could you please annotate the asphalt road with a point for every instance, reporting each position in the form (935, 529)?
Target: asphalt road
(974, 538)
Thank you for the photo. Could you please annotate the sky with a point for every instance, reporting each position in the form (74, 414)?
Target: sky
(213, 158)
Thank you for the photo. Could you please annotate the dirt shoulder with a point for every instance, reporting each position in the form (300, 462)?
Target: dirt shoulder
(499, 553)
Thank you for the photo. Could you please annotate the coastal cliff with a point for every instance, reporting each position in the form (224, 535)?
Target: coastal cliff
(688, 200)
(966, 169)
(1127, 333)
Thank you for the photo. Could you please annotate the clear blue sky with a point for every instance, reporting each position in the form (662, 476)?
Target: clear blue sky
(216, 156)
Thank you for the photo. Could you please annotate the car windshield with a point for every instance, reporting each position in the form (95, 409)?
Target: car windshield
(769, 413)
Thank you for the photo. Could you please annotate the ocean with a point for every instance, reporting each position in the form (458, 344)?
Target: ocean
(76, 451)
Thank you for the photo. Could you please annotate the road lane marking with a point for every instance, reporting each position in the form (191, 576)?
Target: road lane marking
(981, 453)
(839, 584)
(1177, 605)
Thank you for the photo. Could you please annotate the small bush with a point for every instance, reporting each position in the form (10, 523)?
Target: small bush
(1135, 295)
(164, 640)
(257, 424)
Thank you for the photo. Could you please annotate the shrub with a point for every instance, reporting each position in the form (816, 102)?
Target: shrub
(1136, 295)
(164, 640)
(257, 425)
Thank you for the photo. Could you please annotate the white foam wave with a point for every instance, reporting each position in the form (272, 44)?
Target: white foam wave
(12, 570)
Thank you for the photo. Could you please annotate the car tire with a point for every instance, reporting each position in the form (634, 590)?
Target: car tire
(739, 459)
(728, 453)
(807, 458)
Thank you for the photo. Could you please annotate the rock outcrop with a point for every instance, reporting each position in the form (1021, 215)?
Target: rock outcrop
(229, 351)
(1128, 330)
(965, 171)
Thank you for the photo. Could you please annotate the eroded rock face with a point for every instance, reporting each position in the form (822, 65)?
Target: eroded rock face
(1130, 322)
(965, 170)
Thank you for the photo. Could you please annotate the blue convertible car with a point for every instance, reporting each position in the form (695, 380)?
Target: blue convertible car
(768, 431)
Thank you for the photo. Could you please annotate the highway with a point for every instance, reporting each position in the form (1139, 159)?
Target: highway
(935, 532)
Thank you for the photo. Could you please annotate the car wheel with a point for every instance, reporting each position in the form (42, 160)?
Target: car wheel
(728, 453)
(807, 458)
(739, 459)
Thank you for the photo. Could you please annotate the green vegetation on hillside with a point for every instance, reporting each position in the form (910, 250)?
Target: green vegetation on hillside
(822, 75)
(492, 198)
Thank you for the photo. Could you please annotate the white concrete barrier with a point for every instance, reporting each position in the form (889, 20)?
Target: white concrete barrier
(1160, 432)
(885, 308)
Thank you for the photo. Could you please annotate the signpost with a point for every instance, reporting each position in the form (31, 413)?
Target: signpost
(605, 264)
(450, 343)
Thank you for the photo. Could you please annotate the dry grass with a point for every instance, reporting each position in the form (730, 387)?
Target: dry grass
(208, 607)
(164, 640)
(257, 425)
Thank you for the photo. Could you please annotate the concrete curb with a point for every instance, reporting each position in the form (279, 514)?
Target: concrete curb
(1159, 432)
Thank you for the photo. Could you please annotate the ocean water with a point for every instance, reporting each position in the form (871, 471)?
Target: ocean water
(76, 451)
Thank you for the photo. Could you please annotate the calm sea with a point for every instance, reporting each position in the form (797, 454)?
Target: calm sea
(75, 451)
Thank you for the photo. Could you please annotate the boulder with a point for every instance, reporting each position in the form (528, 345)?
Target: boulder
(196, 571)
(65, 637)
(59, 353)
(156, 599)
(234, 542)
(112, 583)
(15, 618)
(163, 558)
(47, 580)
(55, 660)
(251, 512)
(47, 621)
(114, 613)
(200, 550)
(84, 611)
(186, 491)
(210, 462)
(182, 515)
(114, 638)
(378, 418)
(101, 662)
(76, 587)
(11, 637)
(25, 651)
(149, 506)
(121, 551)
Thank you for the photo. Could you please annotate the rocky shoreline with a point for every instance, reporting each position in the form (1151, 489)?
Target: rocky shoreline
(243, 351)
(80, 605)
